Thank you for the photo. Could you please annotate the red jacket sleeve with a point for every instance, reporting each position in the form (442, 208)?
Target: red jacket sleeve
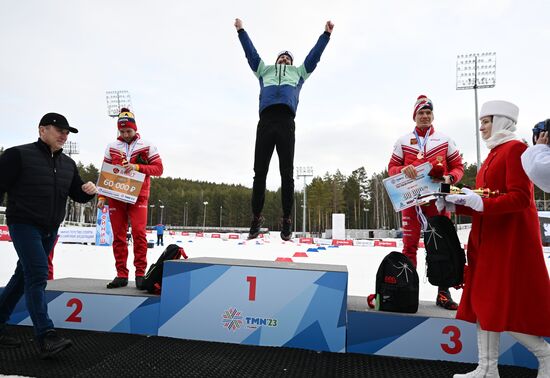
(154, 168)
(396, 163)
(455, 167)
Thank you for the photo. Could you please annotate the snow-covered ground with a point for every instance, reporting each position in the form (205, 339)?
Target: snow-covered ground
(88, 261)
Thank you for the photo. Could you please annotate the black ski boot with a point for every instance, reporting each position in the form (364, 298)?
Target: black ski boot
(286, 229)
(257, 222)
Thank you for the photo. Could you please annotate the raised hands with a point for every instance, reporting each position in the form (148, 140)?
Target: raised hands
(329, 26)
(238, 24)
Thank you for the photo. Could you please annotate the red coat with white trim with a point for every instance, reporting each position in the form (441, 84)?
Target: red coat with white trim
(507, 286)
(439, 149)
(142, 153)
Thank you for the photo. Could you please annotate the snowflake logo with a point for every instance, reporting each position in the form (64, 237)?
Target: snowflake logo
(232, 319)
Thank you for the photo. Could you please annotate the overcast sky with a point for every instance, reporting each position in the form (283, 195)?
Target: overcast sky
(195, 97)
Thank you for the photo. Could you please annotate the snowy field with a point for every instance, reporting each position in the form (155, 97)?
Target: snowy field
(88, 261)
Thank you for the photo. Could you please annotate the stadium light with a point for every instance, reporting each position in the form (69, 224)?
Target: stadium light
(151, 214)
(473, 71)
(304, 172)
(71, 148)
(204, 216)
(117, 100)
(161, 206)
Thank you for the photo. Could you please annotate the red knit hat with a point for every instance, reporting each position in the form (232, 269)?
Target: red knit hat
(126, 119)
(422, 102)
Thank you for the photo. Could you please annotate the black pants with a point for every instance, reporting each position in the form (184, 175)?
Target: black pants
(160, 240)
(275, 130)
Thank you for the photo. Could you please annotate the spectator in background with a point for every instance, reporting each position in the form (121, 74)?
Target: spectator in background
(132, 153)
(129, 236)
(160, 234)
(38, 178)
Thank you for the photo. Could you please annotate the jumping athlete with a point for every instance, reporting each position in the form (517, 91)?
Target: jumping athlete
(280, 86)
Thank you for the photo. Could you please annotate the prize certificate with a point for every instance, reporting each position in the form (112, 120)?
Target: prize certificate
(404, 192)
(113, 182)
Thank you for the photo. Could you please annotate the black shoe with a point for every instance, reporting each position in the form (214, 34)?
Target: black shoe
(139, 282)
(286, 230)
(51, 344)
(445, 300)
(257, 222)
(117, 282)
(8, 342)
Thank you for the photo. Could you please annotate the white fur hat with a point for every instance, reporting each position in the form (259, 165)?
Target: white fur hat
(500, 108)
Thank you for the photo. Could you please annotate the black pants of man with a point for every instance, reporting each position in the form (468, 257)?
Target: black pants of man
(275, 130)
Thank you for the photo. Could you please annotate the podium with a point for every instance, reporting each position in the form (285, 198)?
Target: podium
(255, 302)
(432, 333)
(87, 304)
(270, 304)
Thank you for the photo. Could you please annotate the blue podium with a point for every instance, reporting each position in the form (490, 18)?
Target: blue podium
(270, 304)
(255, 302)
(87, 304)
(431, 334)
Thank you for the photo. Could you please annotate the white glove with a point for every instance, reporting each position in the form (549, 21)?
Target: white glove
(469, 198)
(441, 204)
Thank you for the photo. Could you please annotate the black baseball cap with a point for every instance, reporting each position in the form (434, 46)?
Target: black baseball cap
(57, 120)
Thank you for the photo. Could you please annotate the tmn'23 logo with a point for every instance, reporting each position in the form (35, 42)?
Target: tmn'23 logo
(233, 319)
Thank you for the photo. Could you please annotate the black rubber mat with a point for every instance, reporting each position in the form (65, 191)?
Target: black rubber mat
(99, 354)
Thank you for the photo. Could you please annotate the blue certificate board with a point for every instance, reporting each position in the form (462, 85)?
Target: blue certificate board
(255, 303)
(404, 191)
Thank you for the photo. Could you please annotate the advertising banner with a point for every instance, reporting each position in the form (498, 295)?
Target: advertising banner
(4, 233)
(77, 235)
(104, 232)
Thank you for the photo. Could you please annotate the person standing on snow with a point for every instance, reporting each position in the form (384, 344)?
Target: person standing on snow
(160, 234)
(132, 153)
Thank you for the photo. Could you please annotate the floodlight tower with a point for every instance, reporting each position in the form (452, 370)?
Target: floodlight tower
(117, 100)
(304, 172)
(475, 71)
(71, 148)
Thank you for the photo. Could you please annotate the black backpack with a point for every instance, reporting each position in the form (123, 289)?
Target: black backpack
(396, 285)
(153, 279)
(445, 258)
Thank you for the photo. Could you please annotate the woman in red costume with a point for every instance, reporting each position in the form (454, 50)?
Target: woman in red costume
(507, 286)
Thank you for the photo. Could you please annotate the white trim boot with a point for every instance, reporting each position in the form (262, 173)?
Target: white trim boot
(539, 347)
(488, 351)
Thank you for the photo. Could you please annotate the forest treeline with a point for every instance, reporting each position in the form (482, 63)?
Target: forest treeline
(181, 202)
(360, 196)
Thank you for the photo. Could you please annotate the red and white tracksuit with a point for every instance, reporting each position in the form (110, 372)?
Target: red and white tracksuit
(147, 157)
(440, 149)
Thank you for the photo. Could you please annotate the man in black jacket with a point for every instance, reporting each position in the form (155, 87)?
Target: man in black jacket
(38, 178)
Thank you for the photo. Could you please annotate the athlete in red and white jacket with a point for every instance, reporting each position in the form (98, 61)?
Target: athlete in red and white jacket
(422, 145)
(133, 153)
